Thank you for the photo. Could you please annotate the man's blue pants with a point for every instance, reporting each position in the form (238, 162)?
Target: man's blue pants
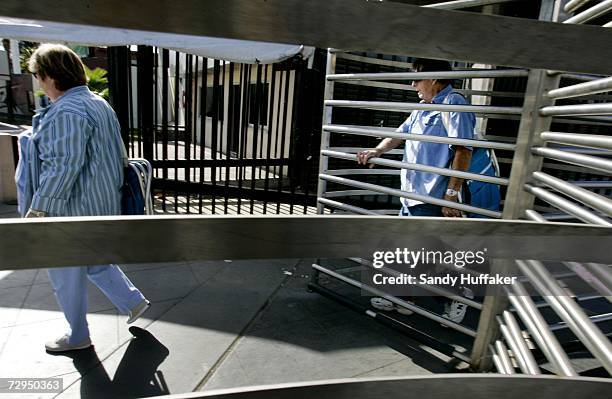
(70, 287)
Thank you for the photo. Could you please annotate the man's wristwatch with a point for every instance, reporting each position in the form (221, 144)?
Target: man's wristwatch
(451, 192)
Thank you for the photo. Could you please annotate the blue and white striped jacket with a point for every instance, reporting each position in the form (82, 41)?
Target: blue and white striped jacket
(75, 157)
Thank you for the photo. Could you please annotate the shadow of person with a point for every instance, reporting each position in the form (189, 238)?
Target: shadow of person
(136, 374)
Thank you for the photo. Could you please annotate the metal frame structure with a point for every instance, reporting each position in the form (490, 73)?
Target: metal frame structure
(526, 184)
(486, 42)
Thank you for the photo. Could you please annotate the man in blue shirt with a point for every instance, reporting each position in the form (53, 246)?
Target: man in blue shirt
(75, 168)
(457, 125)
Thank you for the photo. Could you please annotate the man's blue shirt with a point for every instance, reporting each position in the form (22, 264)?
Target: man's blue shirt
(461, 125)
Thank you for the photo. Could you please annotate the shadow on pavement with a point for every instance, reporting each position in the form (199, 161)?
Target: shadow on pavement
(136, 376)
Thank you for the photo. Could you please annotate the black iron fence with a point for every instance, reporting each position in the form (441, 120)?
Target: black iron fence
(222, 137)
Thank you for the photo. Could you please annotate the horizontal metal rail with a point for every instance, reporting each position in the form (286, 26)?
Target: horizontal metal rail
(573, 5)
(466, 74)
(346, 207)
(406, 87)
(460, 4)
(502, 352)
(590, 13)
(73, 241)
(539, 330)
(583, 140)
(432, 288)
(567, 206)
(363, 171)
(391, 133)
(420, 168)
(587, 161)
(576, 110)
(416, 309)
(582, 89)
(589, 198)
(348, 193)
(409, 195)
(569, 311)
(405, 107)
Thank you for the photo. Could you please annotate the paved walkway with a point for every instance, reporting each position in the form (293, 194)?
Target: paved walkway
(212, 325)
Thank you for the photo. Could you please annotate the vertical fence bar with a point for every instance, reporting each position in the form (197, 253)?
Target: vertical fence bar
(194, 115)
(119, 65)
(203, 120)
(145, 101)
(281, 153)
(155, 106)
(328, 94)
(215, 129)
(244, 127)
(230, 134)
(188, 125)
(130, 146)
(165, 112)
(177, 100)
(256, 128)
(271, 108)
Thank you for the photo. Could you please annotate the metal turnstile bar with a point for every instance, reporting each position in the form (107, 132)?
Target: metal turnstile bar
(582, 89)
(406, 194)
(517, 334)
(587, 161)
(460, 4)
(582, 140)
(514, 346)
(589, 198)
(419, 167)
(569, 311)
(391, 133)
(567, 206)
(590, 13)
(465, 74)
(539, 330)
(405, 107)
(346, 207)
(504, 357)
(577, 110)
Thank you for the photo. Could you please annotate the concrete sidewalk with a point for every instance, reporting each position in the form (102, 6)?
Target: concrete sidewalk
(212, 325)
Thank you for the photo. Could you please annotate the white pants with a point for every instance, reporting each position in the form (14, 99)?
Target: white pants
(70, 287)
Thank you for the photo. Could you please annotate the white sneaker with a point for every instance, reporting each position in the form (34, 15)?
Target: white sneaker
(455, 311)
(387, 306)
(62, 344)
(138, 311)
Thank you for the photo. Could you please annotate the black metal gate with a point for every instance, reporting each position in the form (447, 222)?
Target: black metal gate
(222, 137)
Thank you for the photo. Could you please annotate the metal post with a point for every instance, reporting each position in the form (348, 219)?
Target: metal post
(118, 66)
(517, 201)
(145, 98)
(327, 119)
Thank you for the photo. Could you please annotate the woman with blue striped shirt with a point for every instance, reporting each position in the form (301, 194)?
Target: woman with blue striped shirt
(74, 168)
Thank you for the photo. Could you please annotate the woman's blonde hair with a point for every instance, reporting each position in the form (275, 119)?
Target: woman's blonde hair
(60, 63)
